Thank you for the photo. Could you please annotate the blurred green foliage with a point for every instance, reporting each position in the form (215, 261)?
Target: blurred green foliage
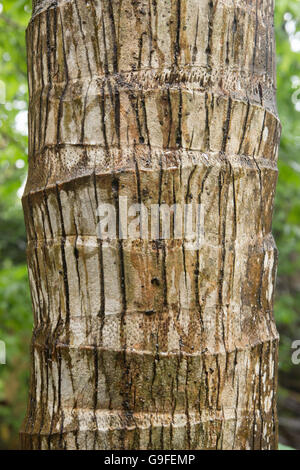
(15, 305)
(286, 224)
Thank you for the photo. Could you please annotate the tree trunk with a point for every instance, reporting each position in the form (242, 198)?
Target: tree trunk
(138, 342)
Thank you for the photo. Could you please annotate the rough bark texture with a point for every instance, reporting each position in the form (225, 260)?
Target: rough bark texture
(142, 344)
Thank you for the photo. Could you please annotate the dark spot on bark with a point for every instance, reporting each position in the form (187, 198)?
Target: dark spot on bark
(155, 281)
(150, 312)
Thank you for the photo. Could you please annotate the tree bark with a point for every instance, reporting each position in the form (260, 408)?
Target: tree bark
(144, 343)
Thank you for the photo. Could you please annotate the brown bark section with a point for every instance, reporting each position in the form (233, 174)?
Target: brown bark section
(144, 344)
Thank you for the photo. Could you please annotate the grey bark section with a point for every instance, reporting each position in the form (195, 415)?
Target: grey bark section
(139, 343)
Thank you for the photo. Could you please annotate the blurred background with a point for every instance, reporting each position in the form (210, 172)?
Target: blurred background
(15, 304)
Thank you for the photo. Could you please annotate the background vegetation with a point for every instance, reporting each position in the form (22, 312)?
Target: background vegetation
(15, 304)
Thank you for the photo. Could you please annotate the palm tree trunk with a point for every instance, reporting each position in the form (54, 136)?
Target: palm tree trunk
(141, 343)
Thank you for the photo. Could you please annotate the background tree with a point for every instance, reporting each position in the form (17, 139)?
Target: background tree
(14, 307)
